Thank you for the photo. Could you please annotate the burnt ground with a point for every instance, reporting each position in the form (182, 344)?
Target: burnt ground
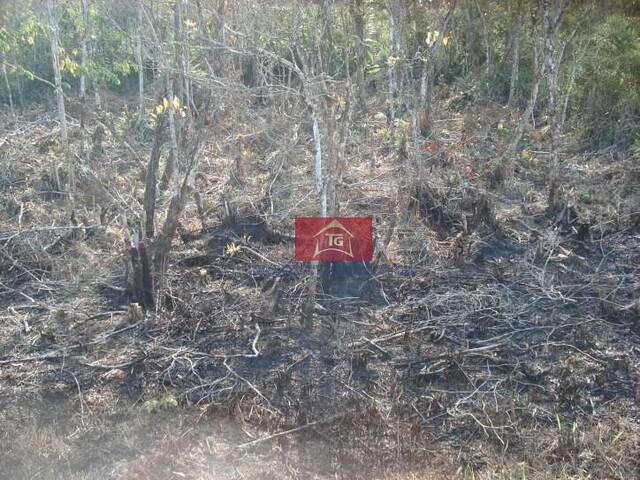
(495, 339)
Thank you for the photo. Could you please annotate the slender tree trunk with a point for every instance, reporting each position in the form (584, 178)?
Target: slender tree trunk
(140, 277)
(62, 115)
(205, 34)
(177, 36)
(485, 38)
(515, 58)
(182, 54)
(139, 62)
(150, 182)
(172, 161)
(84, 4)
(538, 68)
(5, 76)
(14, 58)
(567, 93)
(470, 37)
(55, 60)
(307, 314)
(345, 128)
(425, 98)
(427, 78)
(221, 63)
(19, 80)
(97, 98)
(359, 15)
(554, 48)
(163, 60)
(392, 66)
(317, 141)
(329, 194)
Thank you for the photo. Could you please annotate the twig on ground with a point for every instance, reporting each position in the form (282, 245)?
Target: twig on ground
(289, 432)
(251, 385)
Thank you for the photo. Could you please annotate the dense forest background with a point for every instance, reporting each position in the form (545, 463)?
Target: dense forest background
(583, 56)
(153, 156)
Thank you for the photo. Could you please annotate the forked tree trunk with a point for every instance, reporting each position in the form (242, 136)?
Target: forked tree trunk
(148, 251)
(162, 243)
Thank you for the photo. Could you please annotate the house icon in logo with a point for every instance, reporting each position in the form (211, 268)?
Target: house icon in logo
(334, 237)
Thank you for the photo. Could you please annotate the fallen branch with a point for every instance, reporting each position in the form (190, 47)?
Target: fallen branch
(289, 432)
(62, 352)
(251, 386)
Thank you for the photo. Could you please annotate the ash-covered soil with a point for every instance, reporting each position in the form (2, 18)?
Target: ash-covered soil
(494, 338)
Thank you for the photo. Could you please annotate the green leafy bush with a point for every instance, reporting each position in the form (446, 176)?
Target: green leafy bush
(608, 87)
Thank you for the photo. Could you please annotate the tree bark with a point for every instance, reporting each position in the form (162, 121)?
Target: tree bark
(515, 57)
(55, 60)
(567, 93)
(205, 34)
(538, 68)
(13, 22)
(150, 181)
(358, 13)
(148, 251)
(182, 54)
(162, 243)
(8, 86)
(62, 115)
(392, 62)
(425, 97)
(139, 61)
(84, 6)
(554, 48)
(487, 48)
(142, 288)
(221, 63)
(172, 161)
(317, 141)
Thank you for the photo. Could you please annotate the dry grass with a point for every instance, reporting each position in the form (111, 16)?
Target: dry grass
(515, 359)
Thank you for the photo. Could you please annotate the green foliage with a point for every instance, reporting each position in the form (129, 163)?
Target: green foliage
(604, 103)
(607, 99)
(166, 402)
(25, 47)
